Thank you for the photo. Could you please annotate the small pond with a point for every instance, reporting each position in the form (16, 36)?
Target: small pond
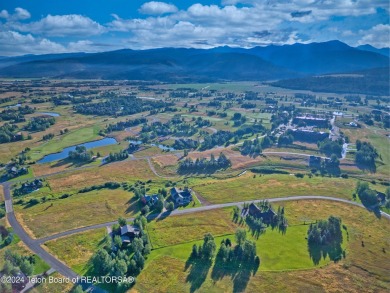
(89, 145)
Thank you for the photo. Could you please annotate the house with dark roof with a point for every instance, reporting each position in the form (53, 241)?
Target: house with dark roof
(129, 232)
(149, 200)
(181, 196)
(267, 216)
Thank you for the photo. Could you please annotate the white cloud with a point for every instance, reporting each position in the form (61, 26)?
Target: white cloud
(21, 13)
(4, 14)
(62, 25)
(14, 43)
(378, 36)
(157, 8)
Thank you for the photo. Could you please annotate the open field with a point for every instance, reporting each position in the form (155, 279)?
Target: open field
(364, 269)
(77, 211)
(175, 230)
(77, 250)
(127, 170)
(269, 186)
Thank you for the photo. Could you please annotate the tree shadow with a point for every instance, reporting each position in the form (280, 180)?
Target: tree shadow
(199, 269)
(332, 250)
(238, 271)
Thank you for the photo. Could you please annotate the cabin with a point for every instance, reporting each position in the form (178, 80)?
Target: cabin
(149, 200)
(129, 232)
(181, 196)
(267, 216)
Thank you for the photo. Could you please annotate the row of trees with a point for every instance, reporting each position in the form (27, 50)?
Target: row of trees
(203, 165)
(119, 106)
(112, 157)
(183, 144)
(121, 125)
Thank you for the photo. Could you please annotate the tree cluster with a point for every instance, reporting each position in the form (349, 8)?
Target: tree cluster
(115, 259)
(80, 154)
(366, 154)
(243, 254)
(205, 251)
(40, 123)
(119, 106)
(367, 196)
(254, 147)
(203, 165)
(325, 232)
(8, 133)
(329, 147)
(15, 263)
(112, 157)
(182, 144)
(122, 125)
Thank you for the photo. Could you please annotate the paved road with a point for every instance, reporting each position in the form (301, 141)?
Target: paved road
(202, 209)
(295, 154)
(35, 245)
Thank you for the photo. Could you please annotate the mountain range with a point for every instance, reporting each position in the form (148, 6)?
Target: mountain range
(198, 65)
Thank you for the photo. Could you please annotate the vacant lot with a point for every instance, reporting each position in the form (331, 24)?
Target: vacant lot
(248, 187)
(77, 250)
(129, 170)
(76, 211)
(179, 229)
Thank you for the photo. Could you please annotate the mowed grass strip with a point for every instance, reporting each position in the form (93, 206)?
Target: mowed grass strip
(77, 250)
(79, 210)
(179, 229)
(247, 187)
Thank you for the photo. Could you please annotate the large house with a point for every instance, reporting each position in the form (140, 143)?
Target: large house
(128, 233)
(181, 196)
(267, 217)
(149, 200)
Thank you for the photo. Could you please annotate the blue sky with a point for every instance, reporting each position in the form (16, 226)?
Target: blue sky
(56, 26)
